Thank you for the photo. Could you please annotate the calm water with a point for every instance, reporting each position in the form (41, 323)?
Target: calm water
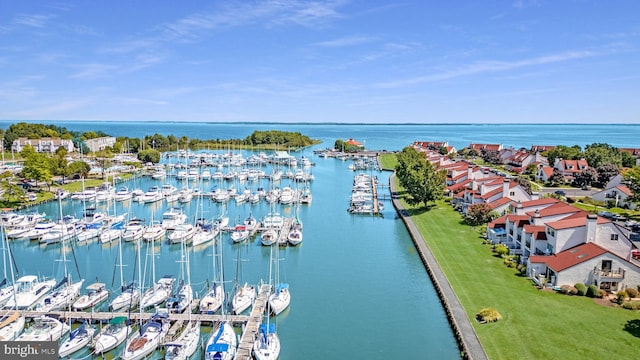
(358, 287)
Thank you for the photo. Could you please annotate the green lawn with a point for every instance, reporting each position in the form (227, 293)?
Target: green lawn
(388, 161)
(536, 324)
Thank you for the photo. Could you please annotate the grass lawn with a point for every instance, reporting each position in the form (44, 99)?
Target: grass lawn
(388, 161)
(536, 324)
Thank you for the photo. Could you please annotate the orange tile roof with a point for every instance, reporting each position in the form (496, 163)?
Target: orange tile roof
(555, 209)
(499, 202)
(576, 220)
(570, 257)
(538, 202)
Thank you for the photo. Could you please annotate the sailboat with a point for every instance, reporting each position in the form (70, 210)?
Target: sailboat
(12, 323)
(294, 237)
(78, 339)
(148, 338)
(243, 296)
(97, 294)
(112, 335)
(65, 292)
(181, 299)
(205, 231)
(187, 344)
(280, 298)
(267, 345)
(213, 299)
(222, 343)
(159, 291)
(130, 295)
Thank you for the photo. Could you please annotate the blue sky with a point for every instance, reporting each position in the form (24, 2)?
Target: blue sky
(321, 61)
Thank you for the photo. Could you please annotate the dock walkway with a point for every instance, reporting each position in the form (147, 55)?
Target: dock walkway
(253, 324)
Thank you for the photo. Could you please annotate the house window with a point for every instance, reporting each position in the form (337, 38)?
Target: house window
(614, 236)
(512, 193)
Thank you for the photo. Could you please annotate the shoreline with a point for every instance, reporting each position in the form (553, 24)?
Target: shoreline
(464, 333)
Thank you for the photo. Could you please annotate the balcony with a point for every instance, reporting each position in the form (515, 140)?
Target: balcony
(608, 274)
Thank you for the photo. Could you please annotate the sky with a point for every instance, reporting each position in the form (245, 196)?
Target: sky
(346, 61)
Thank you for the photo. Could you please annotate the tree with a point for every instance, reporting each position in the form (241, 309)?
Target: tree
(556, 178)
(564, 152)
(103, 157)
(149, 155)
(632, 178)
(79, 168)
(11, 193)
(585, 178)
(478, 214)
(627, 159)
(491, 156)
(598, 154)
(36, 165)
(422, 183)
(605, 173)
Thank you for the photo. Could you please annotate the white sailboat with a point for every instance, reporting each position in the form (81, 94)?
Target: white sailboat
(11, 325)
(129, 298)
(280, 298)
(181, 299)
(96, 294)
(222, 343)
(267, 345)
(147, 339)
(112, 335)
(78, 339)
(187, 344)
(159, 291)
(243, 296)
(213, 299)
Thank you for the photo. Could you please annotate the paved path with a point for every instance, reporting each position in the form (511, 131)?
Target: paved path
(468, 341)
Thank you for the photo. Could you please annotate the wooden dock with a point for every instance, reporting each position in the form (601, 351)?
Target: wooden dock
(374, 191)
(253, 324)
(283, 234)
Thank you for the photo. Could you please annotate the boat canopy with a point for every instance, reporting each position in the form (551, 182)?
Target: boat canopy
(267, 328)
(118, 320)
(62, 282)
(215, 346)
(96, 286)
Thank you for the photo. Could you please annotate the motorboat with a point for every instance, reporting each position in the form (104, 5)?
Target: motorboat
(137, 195)
(205, 175)
(123, 194)
(87, 194)
(59, 233)
(78, 339)
(185, 195)
(222, 343)
(152, 195)
(44, 328)
(96, 294)
(61, 194)
(41, 228)
(172, 218)
(169, 192)
(286, 195)
(273, 220)
(133, 230)
(92, 216)
(112, 233)
(243, 298)
(112, 335)
(87, 232)
(105, 193)
(28, 291)
(155, 231)
(182, 233)
(158, 174)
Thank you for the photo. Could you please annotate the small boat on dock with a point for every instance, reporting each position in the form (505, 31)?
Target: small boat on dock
(112, 335)
(96, 294)
(44, 328)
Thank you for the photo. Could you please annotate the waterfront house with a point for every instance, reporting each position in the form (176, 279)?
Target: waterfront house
(43, 145)
(481, 148)
(541, 148)
(434, 145)
(618, 195)
(635, 152)
(544, 173)
(587, 263)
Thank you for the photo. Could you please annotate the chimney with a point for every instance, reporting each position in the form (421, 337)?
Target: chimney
(470, 172)
(505, 188)
(592, 227)
(535, 196)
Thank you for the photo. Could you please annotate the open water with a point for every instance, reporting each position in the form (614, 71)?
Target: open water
(359, 289)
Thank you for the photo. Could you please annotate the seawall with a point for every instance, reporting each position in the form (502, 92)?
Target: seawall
(468, 342)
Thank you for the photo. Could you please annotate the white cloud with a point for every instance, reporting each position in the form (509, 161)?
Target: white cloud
(33, 20)
(490, 66)
(346, 41)
(521, 4)
(94, 70)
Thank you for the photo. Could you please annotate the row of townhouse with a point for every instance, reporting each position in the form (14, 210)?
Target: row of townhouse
(44, 145)
(434, 146)
(564, 245)
(568, 169)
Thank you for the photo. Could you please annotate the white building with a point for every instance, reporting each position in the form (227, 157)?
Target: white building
(100, 143)
(43, 145)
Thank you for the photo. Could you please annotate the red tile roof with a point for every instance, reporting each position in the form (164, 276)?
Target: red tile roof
(570, 257)
(555, 209)
(502, 220)
(625, 190)
(499, 202)
(541, 148)
(353, 142)
(538, 202)
(538, 231)
(576, 220)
